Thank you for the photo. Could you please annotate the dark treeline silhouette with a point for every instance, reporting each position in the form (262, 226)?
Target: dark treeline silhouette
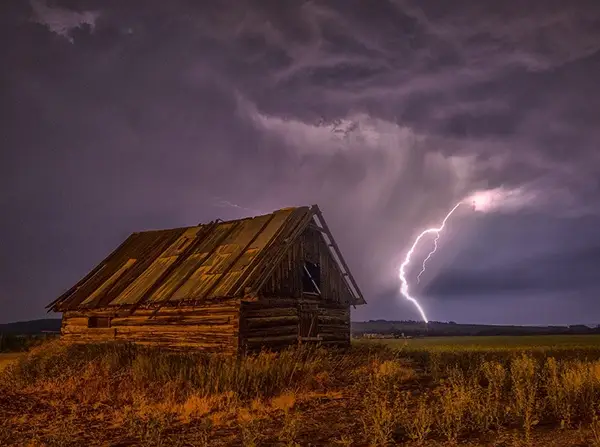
(31, 327)
(22, 335)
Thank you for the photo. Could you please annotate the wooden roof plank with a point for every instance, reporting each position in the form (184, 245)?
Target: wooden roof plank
(190, 252)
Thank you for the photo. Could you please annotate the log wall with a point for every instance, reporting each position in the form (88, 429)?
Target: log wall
(268, 324)
(334, 324)
(211, 327)
(274, 323)
(227, 326)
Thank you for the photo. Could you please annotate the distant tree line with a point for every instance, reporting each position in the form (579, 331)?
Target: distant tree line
(19, 343)
(410, 328)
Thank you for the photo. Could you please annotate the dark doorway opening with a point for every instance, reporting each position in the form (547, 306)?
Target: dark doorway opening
(311, 278)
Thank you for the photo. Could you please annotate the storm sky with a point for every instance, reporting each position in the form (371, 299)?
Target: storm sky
(120, 116)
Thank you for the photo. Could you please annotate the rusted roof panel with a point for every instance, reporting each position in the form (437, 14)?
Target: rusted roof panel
(170, 266)
(265, 261)
(108, 283)
(228, 269)
(137, 290)
(142, 247)
(180, 283)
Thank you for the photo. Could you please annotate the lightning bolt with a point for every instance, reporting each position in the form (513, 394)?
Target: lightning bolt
(435, 241)
(404, 287)
(431, 253)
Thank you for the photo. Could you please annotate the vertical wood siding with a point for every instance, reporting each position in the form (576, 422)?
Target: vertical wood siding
(286, 280)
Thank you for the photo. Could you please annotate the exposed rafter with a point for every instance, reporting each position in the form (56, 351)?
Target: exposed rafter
(321, 225)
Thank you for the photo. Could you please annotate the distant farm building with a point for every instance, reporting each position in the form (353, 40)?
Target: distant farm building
(238, 286)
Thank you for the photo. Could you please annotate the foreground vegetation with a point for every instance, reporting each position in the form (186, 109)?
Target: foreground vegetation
(434, 394)
(536, 342)
(20, 343)
(7, 358)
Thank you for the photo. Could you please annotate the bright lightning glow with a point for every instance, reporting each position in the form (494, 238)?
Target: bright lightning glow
(404, 287)
(437, 238)
(501, 198)
(435, 246)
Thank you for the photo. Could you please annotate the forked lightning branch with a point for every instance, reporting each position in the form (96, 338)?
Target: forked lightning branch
(481, 201)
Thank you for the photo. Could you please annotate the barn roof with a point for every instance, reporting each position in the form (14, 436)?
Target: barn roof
(187, 265)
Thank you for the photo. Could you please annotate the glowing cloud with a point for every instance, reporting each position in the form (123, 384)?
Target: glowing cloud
(500, 199)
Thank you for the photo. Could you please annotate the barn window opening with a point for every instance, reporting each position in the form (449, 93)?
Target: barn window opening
(99, 322)
(311, 278)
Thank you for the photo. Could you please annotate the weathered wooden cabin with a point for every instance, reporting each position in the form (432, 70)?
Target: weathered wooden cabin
(237, 286)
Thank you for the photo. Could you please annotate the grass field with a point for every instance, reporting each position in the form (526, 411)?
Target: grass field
(501, 341)
(8, 358)
(477, 391)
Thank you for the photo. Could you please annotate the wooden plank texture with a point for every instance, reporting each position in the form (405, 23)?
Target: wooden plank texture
(214, 327)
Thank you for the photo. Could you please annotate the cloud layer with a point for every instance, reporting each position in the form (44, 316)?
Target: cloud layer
(386, 114)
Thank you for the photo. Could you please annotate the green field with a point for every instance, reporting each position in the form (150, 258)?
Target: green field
(494, 342)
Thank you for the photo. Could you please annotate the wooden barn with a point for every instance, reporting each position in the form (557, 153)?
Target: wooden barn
(237, 286)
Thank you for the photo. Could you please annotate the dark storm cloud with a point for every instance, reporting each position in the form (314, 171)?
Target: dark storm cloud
(122, 116)
(558, 273)
(521, 260)
(61, 21)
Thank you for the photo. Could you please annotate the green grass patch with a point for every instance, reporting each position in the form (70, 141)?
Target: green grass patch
(500, 341)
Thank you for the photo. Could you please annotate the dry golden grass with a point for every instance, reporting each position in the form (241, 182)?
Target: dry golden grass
(63, 395)
(7, 358)
(469, 400)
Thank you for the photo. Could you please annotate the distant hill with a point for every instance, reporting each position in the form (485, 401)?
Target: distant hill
(31, 327)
